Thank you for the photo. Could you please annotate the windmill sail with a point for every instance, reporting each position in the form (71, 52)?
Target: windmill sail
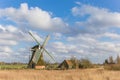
(37, 56)
(46, 40)
(33, 37)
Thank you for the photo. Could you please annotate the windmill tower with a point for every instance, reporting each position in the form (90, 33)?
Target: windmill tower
(36, 60)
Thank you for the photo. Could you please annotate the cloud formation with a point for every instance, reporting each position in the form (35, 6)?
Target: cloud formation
(96, 18)
(34, 17)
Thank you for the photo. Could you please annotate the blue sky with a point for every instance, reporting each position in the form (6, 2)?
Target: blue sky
(79, 28)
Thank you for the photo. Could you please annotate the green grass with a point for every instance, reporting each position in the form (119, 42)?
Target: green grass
(13, 66)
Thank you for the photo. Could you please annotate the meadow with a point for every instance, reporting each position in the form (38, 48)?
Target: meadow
(75, 74)
(12, 66)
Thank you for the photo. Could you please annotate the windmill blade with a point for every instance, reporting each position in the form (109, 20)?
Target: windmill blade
(44, 43)
(49, 54)
(46, 40)
(34, 38)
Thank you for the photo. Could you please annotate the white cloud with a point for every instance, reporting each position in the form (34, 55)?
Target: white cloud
(13, 38)
(59, 47)
(112, 35)
(89, 45)
(97, 19)
(12, 34)
(2, 28)
(5, 49)
(79, 3)
(34, 17)
(11, 28)
(57, 35)
(36, 36)
(7, 42)
(8, 35)
(8, 28)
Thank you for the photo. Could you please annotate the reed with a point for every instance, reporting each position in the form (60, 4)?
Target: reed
(84, 74)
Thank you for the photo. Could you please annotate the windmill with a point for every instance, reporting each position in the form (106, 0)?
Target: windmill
(36, 59)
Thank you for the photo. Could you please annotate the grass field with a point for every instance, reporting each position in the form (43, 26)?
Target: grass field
(12, 66)
(84, 74)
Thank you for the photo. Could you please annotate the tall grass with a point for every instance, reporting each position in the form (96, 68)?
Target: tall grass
(112, 67)
(85, 74)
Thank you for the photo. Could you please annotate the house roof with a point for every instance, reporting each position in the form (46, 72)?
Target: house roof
(69, 62)
(66, 63)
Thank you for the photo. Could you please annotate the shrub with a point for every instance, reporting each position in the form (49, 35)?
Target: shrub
(112, 67)
(85, 63)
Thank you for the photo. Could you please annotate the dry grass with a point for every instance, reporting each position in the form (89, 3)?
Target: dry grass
(86, 74)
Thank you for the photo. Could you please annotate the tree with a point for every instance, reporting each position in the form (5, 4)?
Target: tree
(85, 63)
(111, 60)
(106, 61)
(118, 59)
(74, 61)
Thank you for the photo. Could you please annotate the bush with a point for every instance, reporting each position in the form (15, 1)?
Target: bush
(85, 63)
(112, 67)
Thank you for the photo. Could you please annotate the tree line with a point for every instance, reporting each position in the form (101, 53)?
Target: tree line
(110, 60)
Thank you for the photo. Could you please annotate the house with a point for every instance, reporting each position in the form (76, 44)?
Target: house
(66, 64)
